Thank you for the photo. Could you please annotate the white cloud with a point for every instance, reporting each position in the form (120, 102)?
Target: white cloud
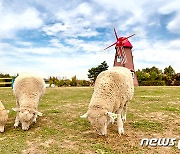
(160, 54)
(66, 54)
(54, 29)
(172, 7)
(11, 22)
(57, 66)
(91, 46)
(174, 25)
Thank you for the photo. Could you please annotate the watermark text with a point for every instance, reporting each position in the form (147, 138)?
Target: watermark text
(161, 142)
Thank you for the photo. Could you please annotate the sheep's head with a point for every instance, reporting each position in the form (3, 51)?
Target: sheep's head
(100, 119)
(27, 116)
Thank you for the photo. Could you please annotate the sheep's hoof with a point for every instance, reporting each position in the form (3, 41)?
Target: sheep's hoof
(124, 119)
(121, 131)
(16, 125)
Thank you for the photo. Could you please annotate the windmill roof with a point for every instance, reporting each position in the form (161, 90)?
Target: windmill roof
(127, 44)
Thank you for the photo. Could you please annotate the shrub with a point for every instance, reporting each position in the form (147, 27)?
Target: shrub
(152, 83)
(73, 81)
(84, 83)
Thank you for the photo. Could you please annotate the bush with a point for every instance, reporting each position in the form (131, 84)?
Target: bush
(60, 83)
(176, 83)
(73, 81)
(152, 83)
(84, 83)
(67, 82)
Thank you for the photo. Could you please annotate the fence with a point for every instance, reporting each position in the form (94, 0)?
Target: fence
(6, 82)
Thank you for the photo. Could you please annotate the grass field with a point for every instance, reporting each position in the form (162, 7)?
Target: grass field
(154, 112)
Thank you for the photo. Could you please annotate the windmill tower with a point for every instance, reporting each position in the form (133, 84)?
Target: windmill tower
(123, 55)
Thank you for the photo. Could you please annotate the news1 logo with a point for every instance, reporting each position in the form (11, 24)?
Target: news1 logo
(161, 142)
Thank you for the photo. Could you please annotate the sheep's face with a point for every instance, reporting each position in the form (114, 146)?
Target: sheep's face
(26, 117)
(99, 122)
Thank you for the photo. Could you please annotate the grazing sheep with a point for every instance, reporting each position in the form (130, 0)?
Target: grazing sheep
(3, 116)
(28, 91)
(112, 91)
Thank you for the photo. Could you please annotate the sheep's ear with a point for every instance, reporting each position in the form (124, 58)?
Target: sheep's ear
(39, 113)
(112, 116)
(15, 109)
(84, 115)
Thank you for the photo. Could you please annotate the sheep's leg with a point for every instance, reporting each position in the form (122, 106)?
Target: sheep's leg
(124, 113)
(2, 128)
(35, 118)
(120, 122)
(16, 124)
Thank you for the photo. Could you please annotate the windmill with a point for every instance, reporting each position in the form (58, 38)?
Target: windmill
(123, 56)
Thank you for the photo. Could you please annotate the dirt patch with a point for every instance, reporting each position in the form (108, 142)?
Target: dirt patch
(48, 143)
(46, 120)
(3, 138)
(174, 103)
(68, 144)
(33, 146)
(159, 116)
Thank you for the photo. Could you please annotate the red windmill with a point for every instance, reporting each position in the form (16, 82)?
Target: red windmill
(123, 56)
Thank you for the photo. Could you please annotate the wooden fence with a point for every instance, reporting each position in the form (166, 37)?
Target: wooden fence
(6, 82)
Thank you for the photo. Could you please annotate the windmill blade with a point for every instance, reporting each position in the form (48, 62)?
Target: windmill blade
(110, 46)
(130, 36)
(115, 34)
(126, 38)
(124, 60)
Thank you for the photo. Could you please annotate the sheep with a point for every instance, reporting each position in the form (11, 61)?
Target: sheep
(3, 116)
(113, 89)
(28, 90)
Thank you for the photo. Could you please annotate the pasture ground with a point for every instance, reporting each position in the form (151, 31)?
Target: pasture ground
(154, 112)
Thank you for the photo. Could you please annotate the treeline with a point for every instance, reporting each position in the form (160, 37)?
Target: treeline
(146, 77)
(4, 75)
(7, 75)
(54, 81)
(92, 75)
(156, 77)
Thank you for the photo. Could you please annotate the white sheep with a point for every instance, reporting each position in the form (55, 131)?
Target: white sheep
(3, 116)
(28, 90)
(113, 89)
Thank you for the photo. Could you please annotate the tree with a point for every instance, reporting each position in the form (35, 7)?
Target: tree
(154, 76)
(4, 75)
(177, 80)
(73, 81)
(103, 66)
(67, 82)
(169, 71)
(84, 83)
(94, 71)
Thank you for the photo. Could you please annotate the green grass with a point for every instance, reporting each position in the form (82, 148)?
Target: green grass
(153, 112)
(146, 125)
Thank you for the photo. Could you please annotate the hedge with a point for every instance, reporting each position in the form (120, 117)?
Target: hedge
(152, 83)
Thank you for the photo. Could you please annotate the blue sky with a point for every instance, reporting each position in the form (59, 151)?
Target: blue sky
(66, 38)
